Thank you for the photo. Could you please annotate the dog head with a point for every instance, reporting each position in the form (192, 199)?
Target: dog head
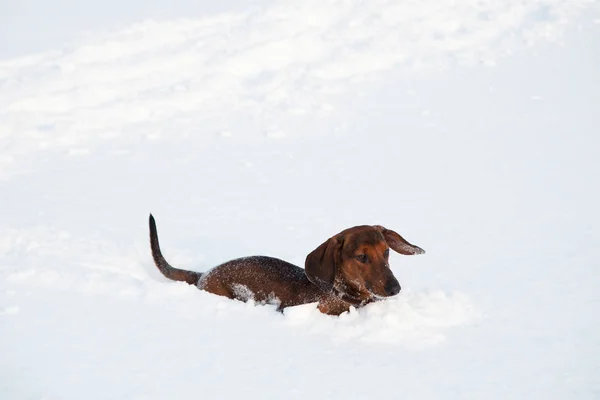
(354, 263)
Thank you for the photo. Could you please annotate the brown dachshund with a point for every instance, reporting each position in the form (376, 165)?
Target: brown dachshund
(349, 269)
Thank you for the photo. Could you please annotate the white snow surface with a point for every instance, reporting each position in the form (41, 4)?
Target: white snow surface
(263, 128)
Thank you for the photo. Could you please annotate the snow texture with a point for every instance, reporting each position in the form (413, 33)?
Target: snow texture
(264, 128)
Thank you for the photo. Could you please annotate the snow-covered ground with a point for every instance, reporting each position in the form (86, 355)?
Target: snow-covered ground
(470, 127)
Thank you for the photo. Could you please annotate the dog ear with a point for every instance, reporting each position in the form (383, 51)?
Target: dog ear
(398, 244)
(320, 264)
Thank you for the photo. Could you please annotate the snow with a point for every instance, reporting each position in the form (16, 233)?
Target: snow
(470, 128)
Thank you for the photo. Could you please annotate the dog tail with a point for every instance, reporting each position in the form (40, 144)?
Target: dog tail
(162, 264)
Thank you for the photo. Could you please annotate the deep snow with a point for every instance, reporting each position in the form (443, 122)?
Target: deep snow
(266, 127)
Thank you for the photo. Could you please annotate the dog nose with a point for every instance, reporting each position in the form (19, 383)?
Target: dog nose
(392, 288)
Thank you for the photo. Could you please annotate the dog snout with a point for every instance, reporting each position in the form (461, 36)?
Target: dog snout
(392, 287)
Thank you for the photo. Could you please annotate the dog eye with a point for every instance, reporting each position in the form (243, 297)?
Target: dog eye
(362, 258)
(386, 253)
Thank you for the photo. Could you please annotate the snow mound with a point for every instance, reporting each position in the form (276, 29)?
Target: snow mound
(415, 319)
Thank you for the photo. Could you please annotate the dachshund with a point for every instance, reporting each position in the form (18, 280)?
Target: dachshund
(349, 269)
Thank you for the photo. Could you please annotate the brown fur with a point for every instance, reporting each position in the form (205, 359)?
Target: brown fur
(349, 269)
